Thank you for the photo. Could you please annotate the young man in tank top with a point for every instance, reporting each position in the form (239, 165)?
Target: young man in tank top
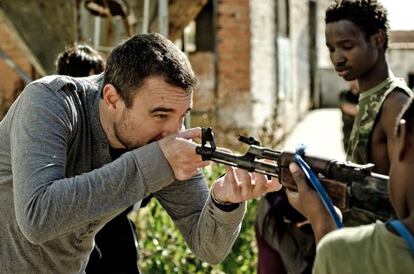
(383, 247)
(357, 39)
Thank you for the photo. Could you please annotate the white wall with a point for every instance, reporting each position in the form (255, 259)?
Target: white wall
(401, 62)
(263, 62)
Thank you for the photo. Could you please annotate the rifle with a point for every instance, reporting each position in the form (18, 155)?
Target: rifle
(349, 185)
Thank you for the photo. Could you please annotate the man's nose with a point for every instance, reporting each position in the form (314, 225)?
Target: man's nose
(172, 128)
(338, 58)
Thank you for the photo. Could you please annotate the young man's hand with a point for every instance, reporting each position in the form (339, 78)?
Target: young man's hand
(307, 201)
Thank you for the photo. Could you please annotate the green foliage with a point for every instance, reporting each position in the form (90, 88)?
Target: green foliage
(163, 250)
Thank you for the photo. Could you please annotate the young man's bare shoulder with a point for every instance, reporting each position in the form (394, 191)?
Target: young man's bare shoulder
(392, 107)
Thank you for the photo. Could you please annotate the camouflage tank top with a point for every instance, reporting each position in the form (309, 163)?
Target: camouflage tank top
(369, 106)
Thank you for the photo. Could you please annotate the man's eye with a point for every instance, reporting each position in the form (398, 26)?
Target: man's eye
(161, 116)
(348, 46)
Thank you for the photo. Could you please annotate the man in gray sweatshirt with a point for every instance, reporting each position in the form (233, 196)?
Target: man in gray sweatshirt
(59, 183)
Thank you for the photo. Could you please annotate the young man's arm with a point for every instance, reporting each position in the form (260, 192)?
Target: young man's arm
(392, 107)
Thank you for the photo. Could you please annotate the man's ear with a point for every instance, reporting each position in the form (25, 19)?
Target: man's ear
(110, 96)
(379, 39)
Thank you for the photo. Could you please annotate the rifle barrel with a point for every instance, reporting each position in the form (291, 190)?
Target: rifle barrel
(247, 162)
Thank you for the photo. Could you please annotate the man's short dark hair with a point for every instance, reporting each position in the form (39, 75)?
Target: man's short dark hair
(144, 55)
(368, 15)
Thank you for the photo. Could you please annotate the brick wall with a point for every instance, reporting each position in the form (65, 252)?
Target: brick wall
(233, 63)
(10, 82)
(250, 56)
(203, 97)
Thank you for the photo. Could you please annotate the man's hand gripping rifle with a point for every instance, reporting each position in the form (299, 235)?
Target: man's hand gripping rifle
(349, 185)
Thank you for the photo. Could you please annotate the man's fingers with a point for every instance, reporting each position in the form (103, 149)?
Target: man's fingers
(245, 183)
(192, 133)
(243, 175)
(274, 185)
(264, 184)
(230, 174)
(180, 153)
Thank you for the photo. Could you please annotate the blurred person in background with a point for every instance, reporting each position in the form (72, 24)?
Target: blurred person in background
(79, 60)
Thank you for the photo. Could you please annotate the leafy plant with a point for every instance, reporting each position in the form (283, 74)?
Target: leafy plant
(163, 250)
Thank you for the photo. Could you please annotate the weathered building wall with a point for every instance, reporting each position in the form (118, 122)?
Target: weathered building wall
(233, 49)
(203, 61)
(262, 66)
(263, 60)
(324, 61)
(10, 82)
(48, 26)
(247, 81)
(38, 30)
(44, 26)
(299, 58)
(203, 97)
(330, 83)
(401, 62)
(297, 101)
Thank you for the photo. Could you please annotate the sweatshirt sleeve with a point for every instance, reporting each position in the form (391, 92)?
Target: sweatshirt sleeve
(208, 231)
(49, 204)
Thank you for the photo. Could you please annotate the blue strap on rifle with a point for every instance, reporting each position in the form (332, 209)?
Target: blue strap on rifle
(404, 233)
(300, 151)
